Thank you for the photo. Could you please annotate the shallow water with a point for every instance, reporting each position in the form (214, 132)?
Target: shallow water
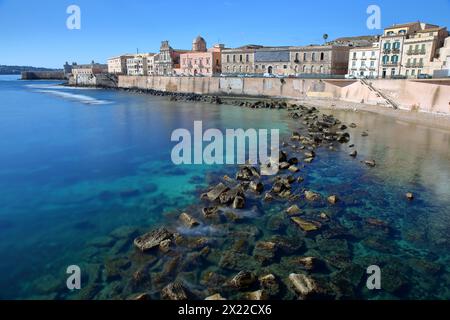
(78, 164)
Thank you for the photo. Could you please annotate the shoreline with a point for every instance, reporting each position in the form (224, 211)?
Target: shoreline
(432, 120)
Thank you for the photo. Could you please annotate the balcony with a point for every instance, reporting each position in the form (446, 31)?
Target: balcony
(386, 51)
(396, 51)
(390, 64)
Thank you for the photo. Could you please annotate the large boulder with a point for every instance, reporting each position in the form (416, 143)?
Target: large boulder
(152, 239)
(215, 192)
(188, 220)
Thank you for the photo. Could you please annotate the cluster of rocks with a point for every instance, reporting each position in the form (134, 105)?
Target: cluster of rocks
(178, 96)
(225, 205)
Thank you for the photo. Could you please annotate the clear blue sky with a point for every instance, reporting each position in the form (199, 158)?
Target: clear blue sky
(34, 32)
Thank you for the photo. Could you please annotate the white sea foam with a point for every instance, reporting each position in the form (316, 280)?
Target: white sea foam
(75, 97)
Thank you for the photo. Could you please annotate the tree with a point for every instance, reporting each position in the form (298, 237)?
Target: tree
(325, 37)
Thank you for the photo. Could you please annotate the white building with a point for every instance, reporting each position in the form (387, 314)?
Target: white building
(118, 64)
(138, 65)
(364, 61)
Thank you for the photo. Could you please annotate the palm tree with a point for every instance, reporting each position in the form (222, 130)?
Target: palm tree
(325, 37)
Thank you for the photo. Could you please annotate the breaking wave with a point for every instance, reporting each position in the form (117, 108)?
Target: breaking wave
(75, 97)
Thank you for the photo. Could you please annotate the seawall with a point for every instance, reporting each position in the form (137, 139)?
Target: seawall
(417, 95)
(432, 96)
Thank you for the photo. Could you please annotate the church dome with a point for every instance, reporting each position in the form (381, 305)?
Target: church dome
(199, 44)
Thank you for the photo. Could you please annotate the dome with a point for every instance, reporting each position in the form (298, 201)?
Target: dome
(199, 44)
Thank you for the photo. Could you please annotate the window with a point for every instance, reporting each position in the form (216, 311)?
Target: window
(247, 58)
(312, 69)
(240, 58)
(285, 67)
(296, 56)
(234, 58)
(387, 46)
(372, 64)
(322, 56)
(304, 56)
(354, 55)
(421, 62)
(321, 69)
(363, 63)
(304, 69)
(354, 64)
(385, 59)
(392, 72)
(373, 53)
(407, 73)
(228, 58)
(394, 59)
(413, 72)
(396, 45)
(364, 54)
(313, 56)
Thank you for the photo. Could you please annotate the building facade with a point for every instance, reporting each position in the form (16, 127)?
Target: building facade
(239, 60)
(118, 64)
(421, 49)
(200, 61)
(168, 61)
(286, 61)
(319, 60)
(406, 49)
(363, 62)
(441, 65)
(89, 69)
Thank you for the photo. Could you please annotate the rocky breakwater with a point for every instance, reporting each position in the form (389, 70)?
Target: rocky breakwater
(254, 237)
(258, 237)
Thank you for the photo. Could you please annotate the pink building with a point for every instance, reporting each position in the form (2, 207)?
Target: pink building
(201, 61)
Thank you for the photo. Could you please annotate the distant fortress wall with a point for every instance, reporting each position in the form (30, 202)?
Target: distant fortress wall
(419, 95)
(43, 75)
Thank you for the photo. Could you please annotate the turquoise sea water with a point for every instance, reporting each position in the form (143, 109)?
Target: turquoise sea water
(77, 164)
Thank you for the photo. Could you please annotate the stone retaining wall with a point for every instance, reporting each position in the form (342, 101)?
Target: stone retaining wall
(419, 95)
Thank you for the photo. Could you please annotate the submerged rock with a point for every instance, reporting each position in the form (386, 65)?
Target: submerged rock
(293, 210)
(312, 196)
(215, 192)
(188, 220)
(243, 279)
(370, 163)
(152, 239)
(270, 285)
(174, 291)
(305, 225)
(354, 154)
(303, 285)
(309, 263)
(239, 203)
(256, 295)
(216, 296)
(265, 251)
(257, 187)
(211, 212)
(333, 199)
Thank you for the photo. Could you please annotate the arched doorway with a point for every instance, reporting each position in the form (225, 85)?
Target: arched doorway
(270, 70)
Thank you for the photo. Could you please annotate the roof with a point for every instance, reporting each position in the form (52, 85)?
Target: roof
(403, 25)
(433, 29)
